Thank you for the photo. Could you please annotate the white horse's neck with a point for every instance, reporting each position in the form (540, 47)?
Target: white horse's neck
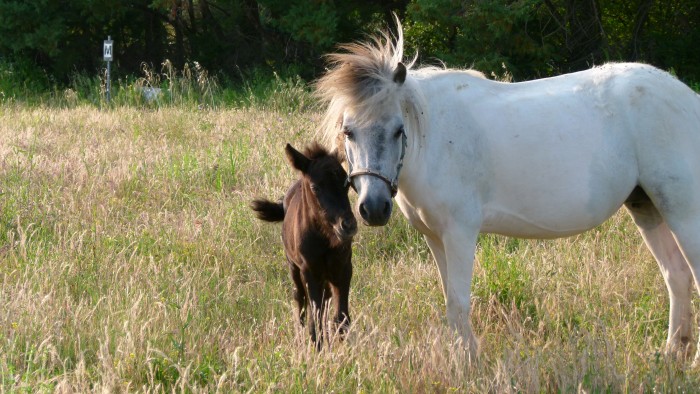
(415, 116)
(424, 95)
(418, 109)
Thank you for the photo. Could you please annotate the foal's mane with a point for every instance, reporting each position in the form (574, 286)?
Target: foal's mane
(315, 151)
(326, 161)
(359, 77)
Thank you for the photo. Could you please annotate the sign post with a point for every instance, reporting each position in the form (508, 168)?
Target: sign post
(107, 50)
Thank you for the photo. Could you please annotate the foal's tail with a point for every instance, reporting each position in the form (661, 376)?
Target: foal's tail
(267, 210)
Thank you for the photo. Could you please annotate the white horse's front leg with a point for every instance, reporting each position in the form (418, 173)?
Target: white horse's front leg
(460, 244)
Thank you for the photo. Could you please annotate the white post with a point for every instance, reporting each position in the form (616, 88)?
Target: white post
(107, 51)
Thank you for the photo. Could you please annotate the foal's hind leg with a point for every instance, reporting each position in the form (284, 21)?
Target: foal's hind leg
(315, 294)
(340, 286)
(673, 266)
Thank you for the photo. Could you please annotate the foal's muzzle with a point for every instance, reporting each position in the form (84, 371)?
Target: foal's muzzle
(346, 228)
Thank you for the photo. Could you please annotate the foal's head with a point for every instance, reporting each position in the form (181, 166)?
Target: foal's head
(324, 184)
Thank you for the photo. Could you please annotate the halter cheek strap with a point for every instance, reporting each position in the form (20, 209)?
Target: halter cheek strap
(393, 184)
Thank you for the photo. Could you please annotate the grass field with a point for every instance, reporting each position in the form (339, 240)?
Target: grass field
(129, 261)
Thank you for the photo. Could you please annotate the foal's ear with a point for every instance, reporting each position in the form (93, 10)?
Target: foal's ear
(400, 73)
(296, 158)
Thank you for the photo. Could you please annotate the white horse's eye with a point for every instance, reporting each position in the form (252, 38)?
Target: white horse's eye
(347, 132)
(399, 132)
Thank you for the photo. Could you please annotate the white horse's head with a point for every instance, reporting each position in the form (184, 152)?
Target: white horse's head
(374, 150)
(363, 93)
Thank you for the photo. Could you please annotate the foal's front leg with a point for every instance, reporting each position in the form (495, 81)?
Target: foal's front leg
(340, 286)
(299, 292)
(314, 291)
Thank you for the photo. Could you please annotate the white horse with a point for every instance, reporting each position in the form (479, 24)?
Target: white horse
(539, 159)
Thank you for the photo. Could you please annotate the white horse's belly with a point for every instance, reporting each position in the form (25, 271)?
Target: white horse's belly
(514, 224)
(556, 179)
(552, 211)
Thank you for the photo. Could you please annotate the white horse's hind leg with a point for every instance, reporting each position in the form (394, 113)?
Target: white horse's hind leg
(679, 281)
(673, 265)
(675, 271)
(687, 234)
(675, 252)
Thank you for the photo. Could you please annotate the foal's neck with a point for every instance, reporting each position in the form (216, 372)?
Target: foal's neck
(314, 218)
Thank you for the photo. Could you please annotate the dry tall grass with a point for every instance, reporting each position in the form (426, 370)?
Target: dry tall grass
(130, 261)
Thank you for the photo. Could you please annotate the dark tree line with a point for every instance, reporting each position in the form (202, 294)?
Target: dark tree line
(535, 38)
(531, 38)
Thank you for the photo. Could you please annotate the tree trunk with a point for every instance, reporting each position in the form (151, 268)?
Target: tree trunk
(586, 33)
(176, 16)
(640, 20)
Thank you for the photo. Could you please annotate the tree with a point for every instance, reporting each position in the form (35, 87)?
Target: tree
(531, 38)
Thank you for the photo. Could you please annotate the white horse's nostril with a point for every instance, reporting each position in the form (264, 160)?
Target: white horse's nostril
(364, 212)
(387, 208)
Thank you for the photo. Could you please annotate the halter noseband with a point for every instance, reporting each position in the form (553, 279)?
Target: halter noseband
(392, 183)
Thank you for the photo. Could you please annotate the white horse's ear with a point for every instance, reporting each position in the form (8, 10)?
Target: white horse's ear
(400, 73)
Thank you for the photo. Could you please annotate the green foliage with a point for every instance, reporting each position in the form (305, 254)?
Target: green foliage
(222, 35)
(535, 38)
(65, 37)
(310, 22)
(192, 86)
(484, 35)
(52, 46)
(21, 80)
(38, 25)
(283, 92)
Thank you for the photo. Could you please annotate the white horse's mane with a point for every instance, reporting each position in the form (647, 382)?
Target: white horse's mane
(361, 77)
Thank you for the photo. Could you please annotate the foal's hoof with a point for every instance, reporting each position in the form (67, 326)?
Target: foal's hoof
(341, 326)
(342, 335)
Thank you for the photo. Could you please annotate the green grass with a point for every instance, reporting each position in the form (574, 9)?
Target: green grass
(130, 261)
(193, 86)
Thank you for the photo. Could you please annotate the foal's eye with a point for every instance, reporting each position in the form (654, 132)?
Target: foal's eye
(399, 132)
(347, 132)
